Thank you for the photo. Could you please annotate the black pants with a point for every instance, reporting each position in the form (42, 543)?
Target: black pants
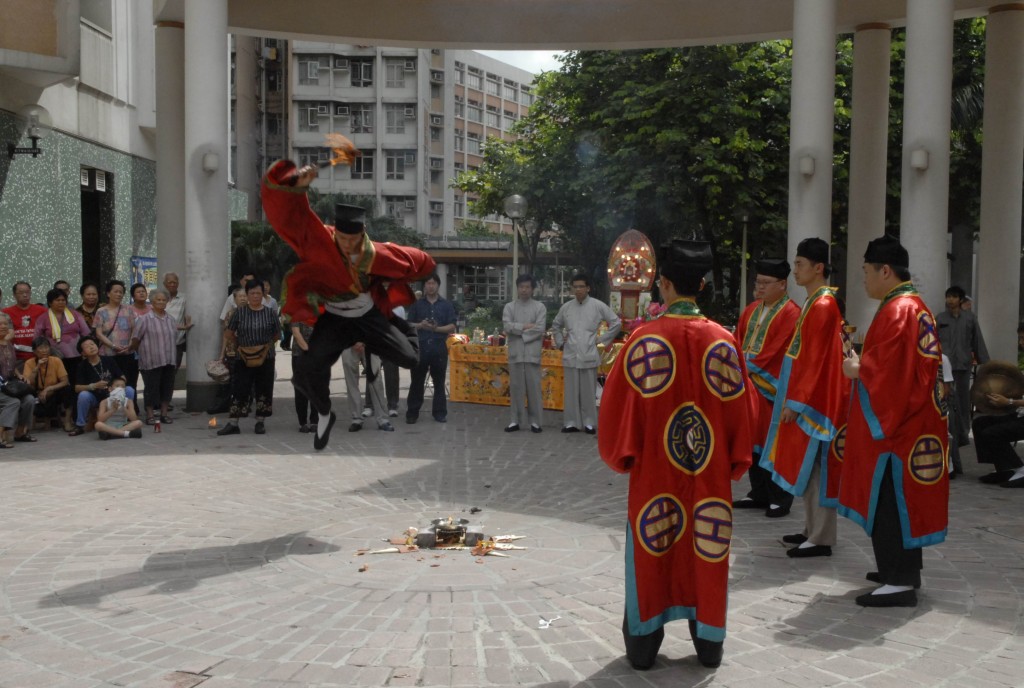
(994, 437)
(764, 490)
(435, 362)
(896, 564)
(159, 387)
(252, 386)
(303, 410)
(392, 340)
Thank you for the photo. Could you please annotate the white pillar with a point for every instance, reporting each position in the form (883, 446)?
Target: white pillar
(812, 121)
(170, 148)
(1002, 176)
(207, 231)
(868, 142)
(247, 177)
(924, 212)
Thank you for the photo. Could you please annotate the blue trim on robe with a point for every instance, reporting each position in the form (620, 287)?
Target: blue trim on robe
(806, 466)
(753, 369)
(881, 463)
(638, 627)
(869, 413)
(813, 422)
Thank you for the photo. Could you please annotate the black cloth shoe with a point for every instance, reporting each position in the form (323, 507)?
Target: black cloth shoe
(355, 427)
(590, 430)
(441, 419)
(136, 434)
(996, 477)
(536, 428)
(812, 551)
(709, 652)
(874, 577)
(642, 650)
(1016, 482)
(748, 503)
(229, 429)
(906, 598)
(570, 428)
(321, 442)
(411, 420)
(104, 435)
(261, 429)
(512, 427)
(795, 539)
(776, 511)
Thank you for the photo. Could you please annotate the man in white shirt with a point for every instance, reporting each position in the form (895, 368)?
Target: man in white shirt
(176, 308)
(524, 320)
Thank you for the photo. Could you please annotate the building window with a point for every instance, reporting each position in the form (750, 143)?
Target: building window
(493, 120)
(474, 81)
(488, 282)
(460, 110)
(509, 92)
(460, 76)
(309, 115)
(273, 81)
(526, 98)
(510, 121)
(394, 118)
(397, 206)
(459, 207)
(273, 124)
(473, 145)
(435, 134)
(395, 70)
(309, 70)
(312, 156)
(396, 161)
(362, 72)
(362, 118)
(474, 113)
(458, 141)
(362, 166)
(492, 86)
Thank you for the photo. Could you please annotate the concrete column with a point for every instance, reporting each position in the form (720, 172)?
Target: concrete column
(170, 149)
(868, 143)
(247, 177)
(812, 120)
(1002, 176)
(924, 213)
(207, 231)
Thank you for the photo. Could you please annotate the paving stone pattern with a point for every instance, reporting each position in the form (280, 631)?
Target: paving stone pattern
(185, 559)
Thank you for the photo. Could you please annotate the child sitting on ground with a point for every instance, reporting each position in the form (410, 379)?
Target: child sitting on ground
(116, 418)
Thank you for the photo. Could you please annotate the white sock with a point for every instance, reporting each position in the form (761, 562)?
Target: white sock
(126, 434)
(321, 424)
(890, 589)
(1019, 473)
(807, 543)
(773, 506)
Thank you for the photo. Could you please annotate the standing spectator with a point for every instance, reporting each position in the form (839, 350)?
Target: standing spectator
(676, 418)
(229, 303)
(255, 328)
(60, 326)
(575, 330)
(65, 287)
(962, 341)
(352, 358)
(177, 309)
(154, 338)
(301, 332)
(433, 318)
(114, 324)
(27, 403)
(140, 300)
(524, 320)
(116, 418)
(228, 353)
(90, 294)
(268, 299)
(47, 375)
(95, 378)
(23, 315)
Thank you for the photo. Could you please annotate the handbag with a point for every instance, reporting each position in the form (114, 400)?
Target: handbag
(218, 371)
(17, 389)
(254, 356)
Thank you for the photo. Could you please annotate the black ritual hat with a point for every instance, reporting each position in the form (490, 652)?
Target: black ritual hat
(887, 250)
(773, 267)
(694, 257)
(349, 219)
(813, 249)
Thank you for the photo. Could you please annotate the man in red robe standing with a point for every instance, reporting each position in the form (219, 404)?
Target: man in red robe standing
(895, 483)
(357, 283)
(675, 416)
(763, 334)
(811, 406)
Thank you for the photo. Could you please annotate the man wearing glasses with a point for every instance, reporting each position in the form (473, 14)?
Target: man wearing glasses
(763, 333)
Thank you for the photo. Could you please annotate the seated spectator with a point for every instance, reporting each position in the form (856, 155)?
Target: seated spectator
(47, 375)
(140, 296)
(23, 315)
(116, 418)
(155, 338)
(96, 377)
(26, 404)
(63, 329)
(90, 294)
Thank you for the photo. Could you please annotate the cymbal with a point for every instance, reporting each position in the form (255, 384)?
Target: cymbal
(996, 377)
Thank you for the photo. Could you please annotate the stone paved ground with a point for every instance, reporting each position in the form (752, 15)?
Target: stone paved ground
(217, 562)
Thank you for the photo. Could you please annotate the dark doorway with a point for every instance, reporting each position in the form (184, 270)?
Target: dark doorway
(98, 256)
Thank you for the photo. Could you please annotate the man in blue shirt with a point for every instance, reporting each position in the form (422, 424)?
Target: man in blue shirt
(433, 319)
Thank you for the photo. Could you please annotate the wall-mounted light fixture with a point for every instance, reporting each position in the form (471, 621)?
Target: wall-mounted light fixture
(211, 162)
(806, 165)
(37, 125)
(919, 159)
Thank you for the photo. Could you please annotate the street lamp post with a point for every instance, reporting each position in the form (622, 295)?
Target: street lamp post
(743, 215)
(515, 209)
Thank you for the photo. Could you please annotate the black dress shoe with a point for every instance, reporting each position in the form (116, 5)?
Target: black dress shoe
(748, 503)
(570, 428)
(355, 427)
(1016, 482)
(411, 420)
(906, 598)
(261, 429)
(776, 511)
(812, 551)
(996, 477)
(321, 442)
(709, 652)
(795, 539)
(590, 430)
(536, 428)
(874, 577)
(229, 429)
(441, 419)
(512, 427)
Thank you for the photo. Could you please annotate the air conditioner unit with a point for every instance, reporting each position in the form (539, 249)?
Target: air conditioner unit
(437, 163)
(410, 65)
(410, 112)
(437, 120)
(322, 110)
(341, 63)
(341, 110)
(437, 76)
(410, 158)
(410, 204)
(436, 207)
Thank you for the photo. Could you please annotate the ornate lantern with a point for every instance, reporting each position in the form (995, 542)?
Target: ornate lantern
(631, 270)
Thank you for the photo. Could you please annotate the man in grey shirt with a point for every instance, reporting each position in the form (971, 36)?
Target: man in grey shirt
(575, 329)
(962, 342)
(524, 321)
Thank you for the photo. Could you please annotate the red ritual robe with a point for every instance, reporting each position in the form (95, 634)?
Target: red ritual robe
(897, 422)
(323, 274)
(763, 334)
(811, 383)
(675, 416)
